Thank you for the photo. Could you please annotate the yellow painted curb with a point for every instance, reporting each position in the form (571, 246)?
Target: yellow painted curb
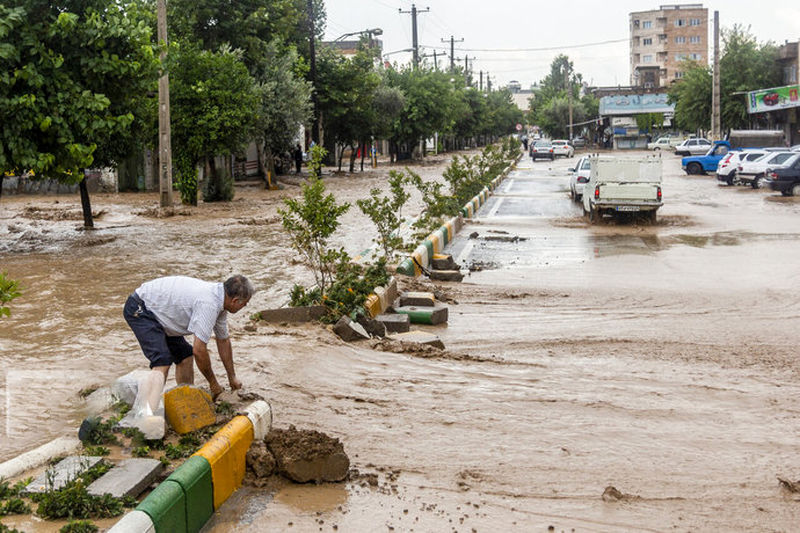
(226, 452)
(188, 409)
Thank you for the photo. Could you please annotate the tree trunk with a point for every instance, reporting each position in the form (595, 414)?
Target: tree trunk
(261, 166)
(353, 154)
(341, 155)
(363, 149)
(88, 222)
(2, 177)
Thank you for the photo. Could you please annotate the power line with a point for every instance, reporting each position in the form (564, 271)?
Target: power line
(543, 49)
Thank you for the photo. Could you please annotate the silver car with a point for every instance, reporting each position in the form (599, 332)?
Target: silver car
(697, 146)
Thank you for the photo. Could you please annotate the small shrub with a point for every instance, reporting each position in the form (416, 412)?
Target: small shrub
(12, 491)
(385, 212)
(14, 506)
(79, 526)
(223, 408)
(141, 451)
(73, 501)
(316, 155)
(186, 179)
(9, 289)
(101, 451)
(5, 529)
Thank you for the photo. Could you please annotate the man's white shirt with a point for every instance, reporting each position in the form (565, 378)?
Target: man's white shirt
(187, 306)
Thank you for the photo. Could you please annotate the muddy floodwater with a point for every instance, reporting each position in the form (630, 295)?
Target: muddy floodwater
(660, 360)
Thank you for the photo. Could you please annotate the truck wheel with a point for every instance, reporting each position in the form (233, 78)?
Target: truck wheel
(694, 168)
(758, 181)
(652, 217)
(796, 189)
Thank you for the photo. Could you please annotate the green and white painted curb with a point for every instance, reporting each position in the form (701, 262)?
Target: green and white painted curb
(422, 256)
(185, 501)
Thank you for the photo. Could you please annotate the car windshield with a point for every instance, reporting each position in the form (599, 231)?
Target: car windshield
(586, 165)
(542, 144)
(780, 158)
(753, 156)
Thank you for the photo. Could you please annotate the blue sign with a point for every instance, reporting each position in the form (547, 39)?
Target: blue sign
(635, 104)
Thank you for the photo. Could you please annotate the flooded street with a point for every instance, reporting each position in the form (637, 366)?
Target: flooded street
(657, 359)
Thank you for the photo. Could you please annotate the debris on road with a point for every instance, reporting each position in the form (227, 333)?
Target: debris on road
(306, 455)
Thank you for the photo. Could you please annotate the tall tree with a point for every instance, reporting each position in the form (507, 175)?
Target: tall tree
(76, 78)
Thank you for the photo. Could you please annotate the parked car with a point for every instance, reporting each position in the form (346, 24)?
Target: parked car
(696, 146)
(754, 172)
(786, 180)
(579, 178)
(729, 164)
(666, 142)
(542, 148)
(579, 142)
(562, 147)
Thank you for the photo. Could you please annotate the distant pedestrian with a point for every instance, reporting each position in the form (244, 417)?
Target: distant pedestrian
(525, 142)
(298, 158)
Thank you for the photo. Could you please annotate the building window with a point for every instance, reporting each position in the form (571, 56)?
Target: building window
(647, 58)
(680, 22)
(695, 39)
(694, 22)
(790, 74)
(696, 57)
(678, 74)
(647, 24)
(680, 57)
(636, 23)
(680, 39)
(647, 41)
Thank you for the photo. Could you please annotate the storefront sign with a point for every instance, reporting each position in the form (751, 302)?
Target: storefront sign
(773, 99)
(634, 104)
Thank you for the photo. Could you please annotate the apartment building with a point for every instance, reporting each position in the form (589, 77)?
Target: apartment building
(661, 39)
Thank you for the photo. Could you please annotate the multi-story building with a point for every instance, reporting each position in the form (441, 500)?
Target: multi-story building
(661, 39)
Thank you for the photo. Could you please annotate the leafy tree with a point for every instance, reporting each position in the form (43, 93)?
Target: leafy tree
(385, 212)
(76, 76)
(213, 96)
(310, 221)
(692, 97)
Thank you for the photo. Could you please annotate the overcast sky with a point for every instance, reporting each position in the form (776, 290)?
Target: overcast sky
(494, 31)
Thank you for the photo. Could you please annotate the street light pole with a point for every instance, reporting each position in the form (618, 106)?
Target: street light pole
(312, 73)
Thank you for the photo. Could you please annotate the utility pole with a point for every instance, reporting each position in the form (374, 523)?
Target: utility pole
(164, 134)
(480, 85)
(415, 42)
(467, 71)
(435, 61)
(453, 51)
(488, 82)
(312, 74)
(568, 85)
(716, 125)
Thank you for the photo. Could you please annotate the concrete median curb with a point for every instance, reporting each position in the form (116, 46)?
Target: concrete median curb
(189, 496)
(422, 256)
(38, 456)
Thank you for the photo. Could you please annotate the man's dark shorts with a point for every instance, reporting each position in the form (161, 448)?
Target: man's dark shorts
(158, 347)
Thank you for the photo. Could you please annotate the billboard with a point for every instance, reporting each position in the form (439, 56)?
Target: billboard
(773, 99)
(635, 104)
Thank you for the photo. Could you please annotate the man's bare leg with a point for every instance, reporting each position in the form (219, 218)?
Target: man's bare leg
(184, 372)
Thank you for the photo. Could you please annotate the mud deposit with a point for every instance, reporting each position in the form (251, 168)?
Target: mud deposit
(302, 455)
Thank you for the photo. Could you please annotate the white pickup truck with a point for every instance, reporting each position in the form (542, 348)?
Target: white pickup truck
(623, 184)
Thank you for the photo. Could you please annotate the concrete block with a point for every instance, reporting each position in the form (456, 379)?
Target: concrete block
(420, 337)
(166, 507)
(424, 315)
(260, 415)
(373, 304)
(194, 477)
(443, 262)
(294, 314)
(446, 275)
(371, 326)
(134, 522)
(349, 331)
(391, 292)
(188, 408)
(417, 299)
(395, 323)
(62, 473)
(129, 478)
(38, 456)
(226, 453)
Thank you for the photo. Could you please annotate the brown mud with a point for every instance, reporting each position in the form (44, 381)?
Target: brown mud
(667, 369)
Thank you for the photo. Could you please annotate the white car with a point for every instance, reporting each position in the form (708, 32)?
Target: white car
(580, 176)
(562, 147)
(753, 172)
(664, 143)
(729, 164)
(697, 146)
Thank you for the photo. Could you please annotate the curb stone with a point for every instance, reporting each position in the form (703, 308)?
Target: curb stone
(422, 256)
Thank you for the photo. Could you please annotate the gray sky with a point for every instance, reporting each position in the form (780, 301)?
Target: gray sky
(491, 28)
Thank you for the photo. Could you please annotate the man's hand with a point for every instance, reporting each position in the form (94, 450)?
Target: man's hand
(235, 383)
